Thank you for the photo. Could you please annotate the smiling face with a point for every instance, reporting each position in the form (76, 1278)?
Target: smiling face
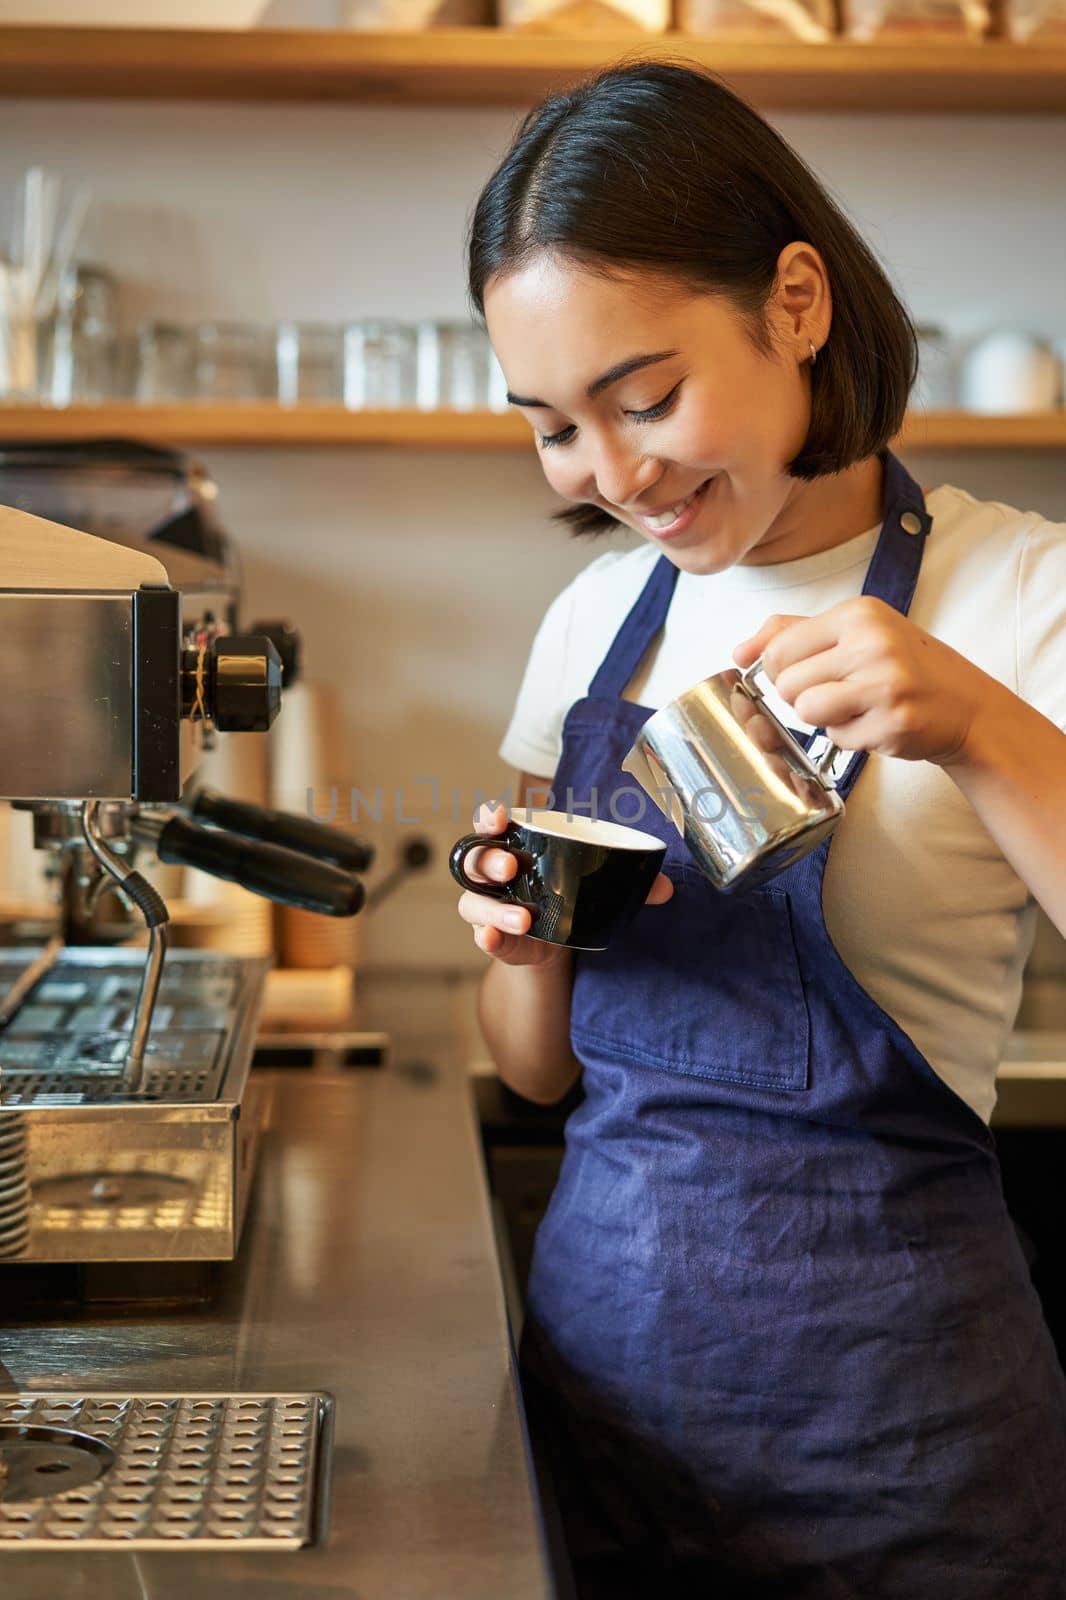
(653, 401)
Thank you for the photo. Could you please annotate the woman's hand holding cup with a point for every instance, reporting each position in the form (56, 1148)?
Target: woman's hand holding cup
(500, 928)
(569, 895)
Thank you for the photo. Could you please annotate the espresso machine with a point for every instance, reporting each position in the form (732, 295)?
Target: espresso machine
(129, 1118)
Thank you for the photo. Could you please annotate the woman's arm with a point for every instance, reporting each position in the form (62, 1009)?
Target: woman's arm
(525, 1018)
(524, 1000)
(1012, 770)
(876, 681)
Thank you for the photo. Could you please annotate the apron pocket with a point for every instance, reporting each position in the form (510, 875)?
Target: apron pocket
(707, 986)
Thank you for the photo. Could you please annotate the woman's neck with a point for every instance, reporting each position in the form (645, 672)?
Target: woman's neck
(824, 513)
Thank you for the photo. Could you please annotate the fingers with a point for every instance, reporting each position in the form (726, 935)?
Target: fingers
(866, 732)
(785, 641)
(495, 866)
(490, 819)
(834, 705)
(804, 657)
(803, 639)
(481, 911)
(494, 943)
(661, 891)
(750, 650)
(809, 672)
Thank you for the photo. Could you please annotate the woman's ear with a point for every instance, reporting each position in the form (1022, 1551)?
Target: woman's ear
(801, 301)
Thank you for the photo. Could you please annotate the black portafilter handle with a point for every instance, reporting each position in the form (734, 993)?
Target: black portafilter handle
(287, 876)
(283, 828)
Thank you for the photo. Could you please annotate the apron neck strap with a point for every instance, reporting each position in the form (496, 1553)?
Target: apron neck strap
(893, 571)
(637, 632)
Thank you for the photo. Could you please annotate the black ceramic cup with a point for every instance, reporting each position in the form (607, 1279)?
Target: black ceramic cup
(582, 881)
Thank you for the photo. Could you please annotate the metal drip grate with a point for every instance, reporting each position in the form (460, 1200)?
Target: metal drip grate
(87, 1070)
(27, 1089)
(67, 1044)
(188, 1471)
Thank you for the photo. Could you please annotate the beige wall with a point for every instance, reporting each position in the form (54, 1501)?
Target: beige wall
(418, 579)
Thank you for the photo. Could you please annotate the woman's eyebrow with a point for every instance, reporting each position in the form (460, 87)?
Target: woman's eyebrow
(624, 368)
(604, 381)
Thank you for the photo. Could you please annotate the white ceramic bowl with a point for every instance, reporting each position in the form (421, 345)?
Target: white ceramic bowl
(1010, 373)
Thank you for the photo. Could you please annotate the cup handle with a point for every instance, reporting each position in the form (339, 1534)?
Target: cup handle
(482, 841)
(824, 765)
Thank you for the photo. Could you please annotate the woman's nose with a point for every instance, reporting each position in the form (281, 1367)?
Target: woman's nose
(622, 477)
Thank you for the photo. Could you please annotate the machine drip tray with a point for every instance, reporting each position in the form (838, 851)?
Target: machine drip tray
(163, 1471)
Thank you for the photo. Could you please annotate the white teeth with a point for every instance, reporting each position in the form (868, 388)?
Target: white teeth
(665, 518)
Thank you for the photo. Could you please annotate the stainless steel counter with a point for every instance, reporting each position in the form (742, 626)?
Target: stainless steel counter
(368, 1270)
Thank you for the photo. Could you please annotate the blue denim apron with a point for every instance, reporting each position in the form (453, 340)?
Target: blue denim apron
(780, 1336)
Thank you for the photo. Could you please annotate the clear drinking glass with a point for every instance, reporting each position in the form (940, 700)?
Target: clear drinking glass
(498, 400)
(19, 336)
(165, 364)
(310, 363)
(379, 365)
(81, 363)
(454, 367)
(232, 361)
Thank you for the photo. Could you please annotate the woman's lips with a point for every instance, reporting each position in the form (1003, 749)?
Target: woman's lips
(667, 525)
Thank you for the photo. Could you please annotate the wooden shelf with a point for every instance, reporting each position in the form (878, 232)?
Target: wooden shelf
(967, 430)
(490, 66)
(263, 425)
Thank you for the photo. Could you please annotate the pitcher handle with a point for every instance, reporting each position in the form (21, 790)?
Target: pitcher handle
(824, 765)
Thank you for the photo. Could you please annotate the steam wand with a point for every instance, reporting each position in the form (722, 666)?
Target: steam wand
(153, 908)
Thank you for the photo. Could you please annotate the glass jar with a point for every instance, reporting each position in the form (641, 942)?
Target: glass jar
(498, 400)
(232, 361)
(81, 361)
(454, 367)
(20, 376)
(164, 363)
(310, 363)
(379, 365)
(20, 339)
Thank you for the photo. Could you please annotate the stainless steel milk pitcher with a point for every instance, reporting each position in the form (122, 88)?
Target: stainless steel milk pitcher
(745, 796)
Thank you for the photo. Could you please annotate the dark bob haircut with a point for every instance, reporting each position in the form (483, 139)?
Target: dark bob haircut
(661, 167)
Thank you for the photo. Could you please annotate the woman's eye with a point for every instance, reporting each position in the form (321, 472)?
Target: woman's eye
(658, 410)
(546, 440)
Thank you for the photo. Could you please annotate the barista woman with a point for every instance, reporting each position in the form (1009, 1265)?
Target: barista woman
(780, 1338)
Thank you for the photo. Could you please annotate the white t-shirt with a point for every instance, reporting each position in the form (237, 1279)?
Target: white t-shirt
(918, 899)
